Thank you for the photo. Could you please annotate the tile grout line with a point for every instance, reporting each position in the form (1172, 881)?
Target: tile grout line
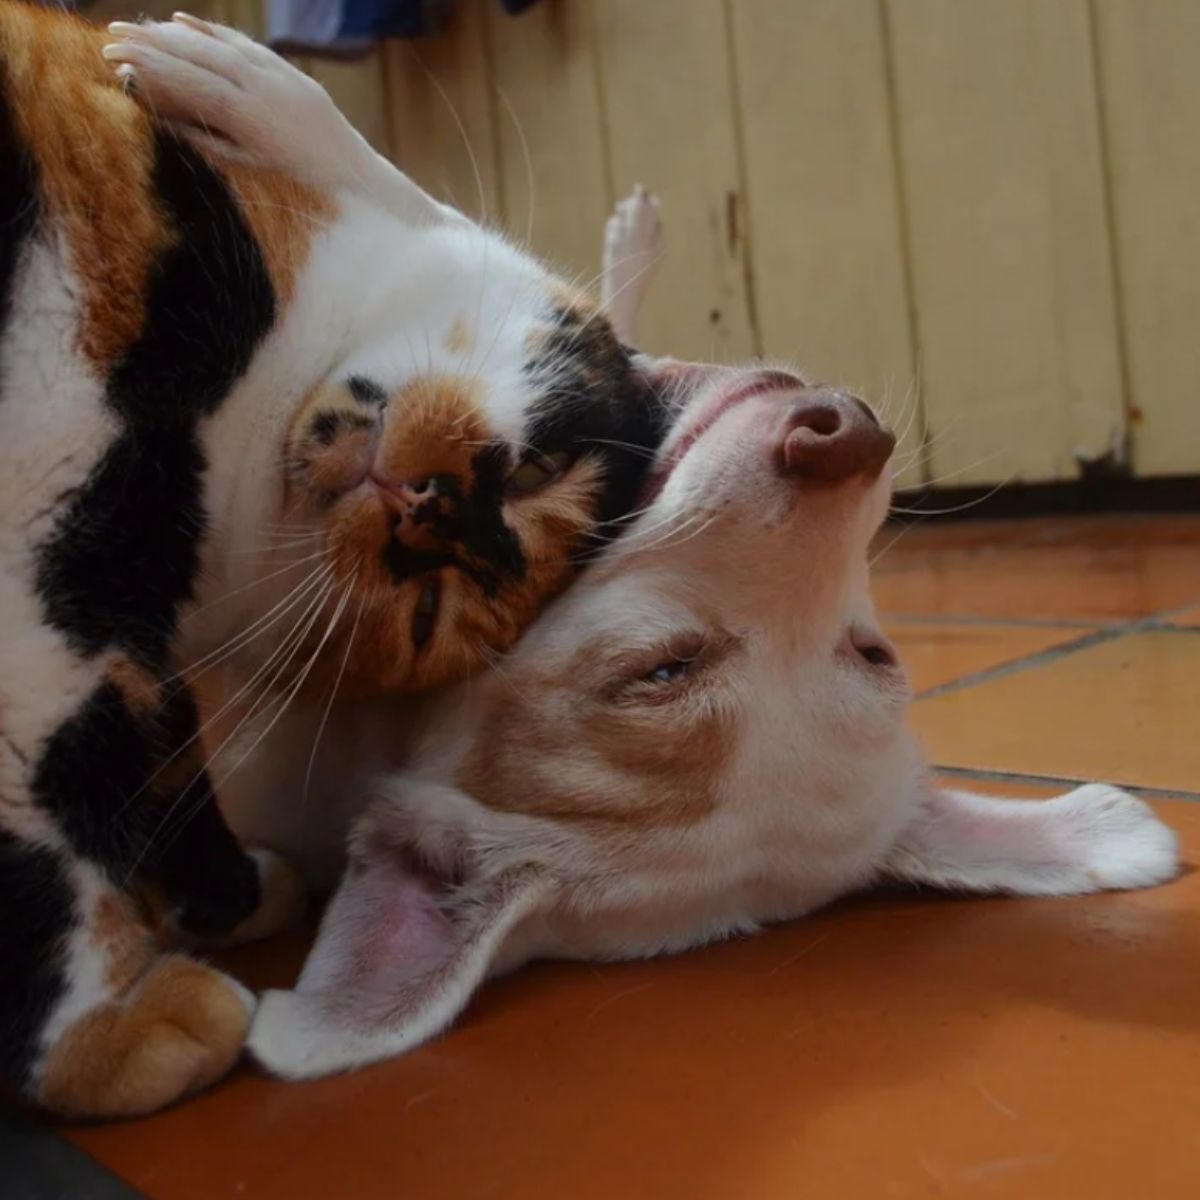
(919, 620)
(1014, 666)
(1157, 622)
(984, 775)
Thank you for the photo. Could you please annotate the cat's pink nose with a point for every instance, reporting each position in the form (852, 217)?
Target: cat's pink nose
(422, 508)
(827, 436)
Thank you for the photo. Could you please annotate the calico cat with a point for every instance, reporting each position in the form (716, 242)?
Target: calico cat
(342, 444)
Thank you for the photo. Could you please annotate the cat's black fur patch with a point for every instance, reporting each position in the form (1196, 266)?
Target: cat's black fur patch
(98, 810)
(367, 391)
(329, 424)
(212, 884)
(403, 562)
(594, 402)
(124, 552)
(37, 908)
(484, 535)
(123, 819)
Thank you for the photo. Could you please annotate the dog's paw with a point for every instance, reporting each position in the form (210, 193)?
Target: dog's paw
(1114, 840)
(635, 228)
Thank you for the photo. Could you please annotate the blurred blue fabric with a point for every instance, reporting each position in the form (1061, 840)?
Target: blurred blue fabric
(347, 28)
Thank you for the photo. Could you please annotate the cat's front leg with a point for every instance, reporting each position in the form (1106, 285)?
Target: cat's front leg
(210, 79)
(110, 843)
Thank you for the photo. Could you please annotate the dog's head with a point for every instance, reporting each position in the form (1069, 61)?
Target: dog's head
(705, 733)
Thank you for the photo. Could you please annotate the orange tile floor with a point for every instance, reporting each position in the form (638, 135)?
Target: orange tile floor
(897, 1045)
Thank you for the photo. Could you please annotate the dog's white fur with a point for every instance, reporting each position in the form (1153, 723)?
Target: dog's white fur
(793, 782)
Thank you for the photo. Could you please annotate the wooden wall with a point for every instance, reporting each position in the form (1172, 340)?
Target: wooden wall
(984, 212)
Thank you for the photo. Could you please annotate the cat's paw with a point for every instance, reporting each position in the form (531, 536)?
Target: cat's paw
(1114, 839)
(633, 237)
(180, 1029)
(633, 244)
(210, 80)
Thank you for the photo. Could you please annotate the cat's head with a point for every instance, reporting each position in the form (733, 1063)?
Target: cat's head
(477, 443)
(704, 733)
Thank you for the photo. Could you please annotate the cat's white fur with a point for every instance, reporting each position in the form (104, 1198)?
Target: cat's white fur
(808, 787)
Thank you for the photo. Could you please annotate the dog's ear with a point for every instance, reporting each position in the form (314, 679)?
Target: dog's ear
(398, 956)
(1093, 838)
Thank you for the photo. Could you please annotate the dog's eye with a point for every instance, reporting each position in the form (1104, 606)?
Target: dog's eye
(669, 672)
(536, 470)
(425, 612)
(683, 659)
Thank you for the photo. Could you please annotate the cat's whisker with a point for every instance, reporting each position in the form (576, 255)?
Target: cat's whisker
(337, 683)
(232, 702)
(261, 579)
(170, 815)
(251, 632)
(295, 687)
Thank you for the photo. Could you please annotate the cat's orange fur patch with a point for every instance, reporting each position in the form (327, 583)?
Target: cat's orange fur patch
(137, 686)
(93, 149)
(284, 216)
(117, 932)
(78, 126)
(180, 1028)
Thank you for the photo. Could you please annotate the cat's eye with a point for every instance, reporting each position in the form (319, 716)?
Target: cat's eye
(536, 470)
(425, 612)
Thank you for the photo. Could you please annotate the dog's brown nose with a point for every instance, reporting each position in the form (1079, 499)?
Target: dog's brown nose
(828, 436)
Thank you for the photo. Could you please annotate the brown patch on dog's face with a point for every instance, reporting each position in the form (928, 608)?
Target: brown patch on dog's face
(593, 740)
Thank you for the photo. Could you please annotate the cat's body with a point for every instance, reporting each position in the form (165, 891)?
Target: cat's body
(248, 420)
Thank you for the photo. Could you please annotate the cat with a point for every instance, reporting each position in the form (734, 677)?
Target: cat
(345, 442)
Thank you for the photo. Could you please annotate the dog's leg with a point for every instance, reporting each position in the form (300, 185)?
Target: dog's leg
(211, 80)
(1093, 838)
(633, 244)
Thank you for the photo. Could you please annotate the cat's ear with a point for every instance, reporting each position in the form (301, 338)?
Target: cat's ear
(398, 956)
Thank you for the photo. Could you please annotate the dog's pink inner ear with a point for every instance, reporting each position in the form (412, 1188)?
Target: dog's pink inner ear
(382, 929)
(398, 956)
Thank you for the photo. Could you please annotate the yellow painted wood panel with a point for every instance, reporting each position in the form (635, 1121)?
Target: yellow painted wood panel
(1149, 53)
(1003, 183)
(441, 119)
(359, 89)
(549, 138)
(827, 256)
(669, 114)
